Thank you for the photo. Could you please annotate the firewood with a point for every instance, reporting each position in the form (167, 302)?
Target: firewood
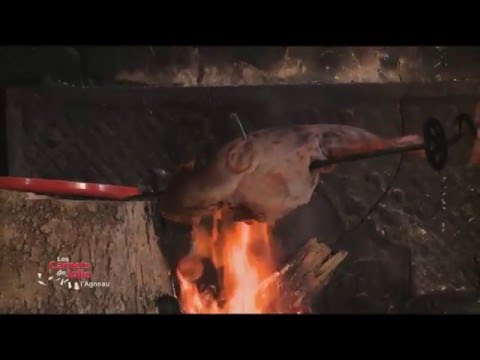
(303, 277)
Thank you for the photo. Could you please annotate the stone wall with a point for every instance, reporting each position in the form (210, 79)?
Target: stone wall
(206, 66)
(217, 66)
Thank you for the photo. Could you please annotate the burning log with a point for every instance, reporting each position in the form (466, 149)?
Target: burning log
(240, 256)
(191, 268)
(65, 256)
(304, 276)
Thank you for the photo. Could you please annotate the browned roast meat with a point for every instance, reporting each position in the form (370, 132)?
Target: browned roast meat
(268, 175)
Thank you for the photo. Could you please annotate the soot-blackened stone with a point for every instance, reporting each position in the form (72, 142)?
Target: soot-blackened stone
(445, 302)
(168, 305)
(210, 278)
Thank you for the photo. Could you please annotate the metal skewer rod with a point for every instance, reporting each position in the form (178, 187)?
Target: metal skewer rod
(394, 150)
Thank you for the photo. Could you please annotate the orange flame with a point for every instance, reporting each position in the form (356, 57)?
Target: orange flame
(242, 252)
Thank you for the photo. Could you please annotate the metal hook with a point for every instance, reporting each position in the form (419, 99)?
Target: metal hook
(234, 116)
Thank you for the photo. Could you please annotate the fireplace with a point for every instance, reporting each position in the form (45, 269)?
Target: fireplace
(347, 250)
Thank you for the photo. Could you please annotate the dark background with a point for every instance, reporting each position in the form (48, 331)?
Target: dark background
(204, 66)
(108, 114)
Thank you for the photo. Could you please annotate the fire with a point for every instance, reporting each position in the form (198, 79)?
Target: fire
(241, 256)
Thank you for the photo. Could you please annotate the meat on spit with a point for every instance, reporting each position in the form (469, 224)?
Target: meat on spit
(269, 174)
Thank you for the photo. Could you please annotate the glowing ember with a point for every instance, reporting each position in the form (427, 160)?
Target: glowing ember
(241, 255)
